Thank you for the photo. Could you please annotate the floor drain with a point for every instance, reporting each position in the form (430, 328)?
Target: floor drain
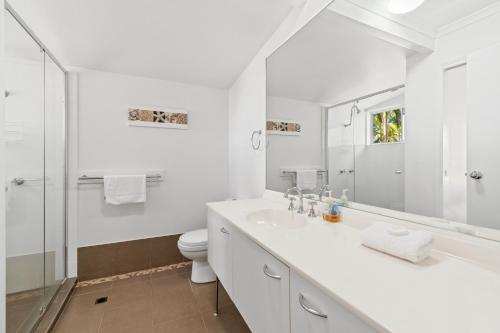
(101, 300)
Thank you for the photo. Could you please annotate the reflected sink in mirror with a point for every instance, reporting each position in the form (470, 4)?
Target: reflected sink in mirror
(277, 219)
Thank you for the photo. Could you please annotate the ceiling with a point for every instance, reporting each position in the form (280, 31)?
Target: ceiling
(431, 15)
(329, 58)
(199, 42)
(334, 58)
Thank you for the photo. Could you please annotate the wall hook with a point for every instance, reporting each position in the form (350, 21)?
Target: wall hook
(256, 145)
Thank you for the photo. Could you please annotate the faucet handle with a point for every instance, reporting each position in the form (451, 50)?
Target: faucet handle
(292, 205)
(312, 212)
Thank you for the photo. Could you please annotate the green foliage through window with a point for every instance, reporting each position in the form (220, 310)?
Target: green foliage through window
(387, 126)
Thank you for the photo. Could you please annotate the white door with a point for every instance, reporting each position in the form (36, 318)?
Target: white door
(455, 144)
(483, 121)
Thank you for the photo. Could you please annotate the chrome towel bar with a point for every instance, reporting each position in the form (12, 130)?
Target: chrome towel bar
(84, 179)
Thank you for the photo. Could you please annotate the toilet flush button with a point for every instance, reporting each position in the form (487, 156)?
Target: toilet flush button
(398, 231)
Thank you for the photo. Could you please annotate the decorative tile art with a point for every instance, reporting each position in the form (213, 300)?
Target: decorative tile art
(157, 117)
(282, 127)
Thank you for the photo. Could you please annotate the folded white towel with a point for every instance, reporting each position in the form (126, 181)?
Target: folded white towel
(414, 246)
(124, 189)
(307, 179)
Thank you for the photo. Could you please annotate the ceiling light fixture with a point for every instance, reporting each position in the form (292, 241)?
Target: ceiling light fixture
(403, 6)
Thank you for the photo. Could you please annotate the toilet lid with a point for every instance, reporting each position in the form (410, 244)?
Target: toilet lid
(194, 238)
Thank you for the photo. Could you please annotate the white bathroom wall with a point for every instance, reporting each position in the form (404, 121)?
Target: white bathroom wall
(284, 151)
(195, 161)
(340, 145)
(424, 105)
(2, 175)
(247, 108)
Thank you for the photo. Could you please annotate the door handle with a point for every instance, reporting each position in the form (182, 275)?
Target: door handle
(309, 309)
(476, 175)
(224, 231)
(273, 276)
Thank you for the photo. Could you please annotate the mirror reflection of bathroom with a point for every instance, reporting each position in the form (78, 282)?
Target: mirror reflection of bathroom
(366, 149)
(391, 119)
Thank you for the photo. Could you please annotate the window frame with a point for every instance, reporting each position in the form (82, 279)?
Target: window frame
(369, 122)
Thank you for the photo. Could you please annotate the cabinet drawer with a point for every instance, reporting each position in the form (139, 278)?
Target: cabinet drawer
(312, 311)
(261, 287)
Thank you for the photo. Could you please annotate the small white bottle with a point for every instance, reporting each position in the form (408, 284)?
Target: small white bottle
(344, 201)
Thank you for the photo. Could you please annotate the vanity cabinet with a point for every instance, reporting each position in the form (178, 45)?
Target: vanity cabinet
(311, 311)
(260, 287)
(271, 297)
(220, 252)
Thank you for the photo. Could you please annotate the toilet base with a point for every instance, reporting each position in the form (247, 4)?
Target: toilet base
(201, 272)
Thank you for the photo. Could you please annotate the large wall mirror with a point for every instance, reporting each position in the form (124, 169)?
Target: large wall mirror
(397, 111)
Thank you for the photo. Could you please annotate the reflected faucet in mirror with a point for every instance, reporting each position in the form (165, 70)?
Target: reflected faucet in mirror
(322, 191)
(297, 190)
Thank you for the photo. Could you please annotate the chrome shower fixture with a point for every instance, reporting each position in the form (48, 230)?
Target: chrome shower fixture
(356, 109)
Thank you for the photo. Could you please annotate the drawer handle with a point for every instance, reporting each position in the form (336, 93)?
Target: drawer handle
(224, 231)
(274, 276)
(309, 309)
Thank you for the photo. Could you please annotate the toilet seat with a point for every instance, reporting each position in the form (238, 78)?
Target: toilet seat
(191, 248)
(196, 240)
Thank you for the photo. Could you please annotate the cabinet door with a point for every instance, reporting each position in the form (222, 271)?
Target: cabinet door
(220, 252)
(261, 287)
(312, 311)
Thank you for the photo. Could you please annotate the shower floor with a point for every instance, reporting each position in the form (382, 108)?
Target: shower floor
(21, 307)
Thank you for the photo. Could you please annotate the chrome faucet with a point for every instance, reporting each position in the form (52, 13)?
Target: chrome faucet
(322, 191)
(297, 190)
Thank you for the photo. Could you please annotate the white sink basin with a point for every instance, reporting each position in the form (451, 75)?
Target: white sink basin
(279, 219)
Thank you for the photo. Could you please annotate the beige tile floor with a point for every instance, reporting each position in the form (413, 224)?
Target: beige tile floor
(22, 312)
(160, 302)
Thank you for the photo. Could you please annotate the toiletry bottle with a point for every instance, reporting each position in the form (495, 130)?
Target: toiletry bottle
(329, 202)
(333, 215)
(343, 198)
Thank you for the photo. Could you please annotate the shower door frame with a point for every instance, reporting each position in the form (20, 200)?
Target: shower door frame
(47, 52)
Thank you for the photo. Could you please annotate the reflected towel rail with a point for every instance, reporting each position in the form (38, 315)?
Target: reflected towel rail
(293, 174)
(285, 173)
(20, 181)
(84, 179)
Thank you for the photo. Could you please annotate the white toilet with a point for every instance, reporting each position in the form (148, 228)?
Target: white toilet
(194, 245)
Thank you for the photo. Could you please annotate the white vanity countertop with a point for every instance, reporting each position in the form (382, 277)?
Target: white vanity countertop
(444, 294)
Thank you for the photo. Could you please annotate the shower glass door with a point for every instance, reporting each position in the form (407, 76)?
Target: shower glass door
(24, 113)
(35, 184)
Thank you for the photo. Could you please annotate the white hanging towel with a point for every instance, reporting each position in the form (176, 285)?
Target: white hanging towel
(307, 179)
(124, 189)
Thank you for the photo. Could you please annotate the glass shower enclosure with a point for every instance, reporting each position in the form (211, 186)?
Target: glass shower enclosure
(35, 115)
